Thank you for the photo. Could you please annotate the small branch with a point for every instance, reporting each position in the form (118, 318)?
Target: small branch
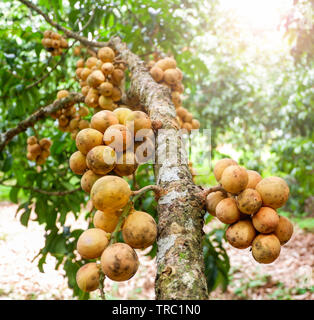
(126, 211)
(7, 136)
(154, 188)
(102, 285)
(206, 192)
(50, 193)
(89, 20)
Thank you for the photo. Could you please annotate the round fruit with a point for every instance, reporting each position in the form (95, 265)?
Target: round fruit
(88, 179)
(266, 248)
(166, 63)
(265, 220)
(117, 76)
(126, 164)
(212, 200)
(83, 124)
(105, 89)
(107, 68)
(241, 234)
(227, 211)
(95, 78)
(119, 262)
(106, 220)
(31, 140)
(78, 162)
(118, 137)
(139, 230)
(87, 139)
(102, 120)
(274, 192)
(234, 179)
(110, 192)
(221, 165)
(171, 76)
(87, 277)
(101, 159)
(254, 179)
(195, 124)
(34, 149)
(284, 230)
(92, 243)
(106, 103)
(249, 201)
(157, 74)
(138, 120)
(106, 54)
(85, 73)
(91, 62)
(122, 113)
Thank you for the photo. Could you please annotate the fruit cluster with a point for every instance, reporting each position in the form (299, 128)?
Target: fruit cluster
(38, 151)
(165, 72)
(100, 79)
(248, 204)
(119, 262)
(70, 118)
(54, 42)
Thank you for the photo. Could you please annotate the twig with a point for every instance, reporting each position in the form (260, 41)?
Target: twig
(206, 192)
(125, 212)
(50, 193)
(154, 188)
(7, 136)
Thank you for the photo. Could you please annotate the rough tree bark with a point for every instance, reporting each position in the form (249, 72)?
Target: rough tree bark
(180, 264)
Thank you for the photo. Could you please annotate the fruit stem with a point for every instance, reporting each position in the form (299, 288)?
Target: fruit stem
(206, 192)
(101, 285)
(136, 194)
(125, 212)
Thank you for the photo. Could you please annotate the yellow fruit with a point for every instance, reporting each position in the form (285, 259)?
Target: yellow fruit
(116, 94)
(234, 179)
(265, 220)
(138, 120)
(34, 149)
(31, 140)
(274, 192)
(31, 156)
(102, 120)
(83, 124)
(284, 230)
(106, 54)
(106, 220)
(221, 165)
(241, 234)
(92, 243)
(119, 262)
(166, 63)
(105, 89)
(144, 151)
(171, 76)
(88, 179)
(101, 159)
(122, 113)
(91, 62)
(87, 277)
(126, 164)
(107, 68)
(227, 211)
(95, 79)
(195, 124)
(212, 201)
(139, 230)
(254, 179)
(78, 162)
(62, 94)
(83, 111)
(110, 192)
(118, 137)
(181, 112)
(92, 99)
(87, 139)
(266, 248)
(80, 63)
(156, 73)
(249, 201)
(85, 73)
(117, 76)
(106, 103)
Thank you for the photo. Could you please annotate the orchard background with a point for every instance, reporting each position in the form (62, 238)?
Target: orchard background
(248, 77)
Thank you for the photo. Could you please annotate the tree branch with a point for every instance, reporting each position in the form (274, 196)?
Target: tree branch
(7, 136)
